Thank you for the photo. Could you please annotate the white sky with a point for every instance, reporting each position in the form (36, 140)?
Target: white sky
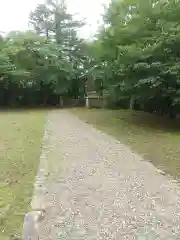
(14, 13)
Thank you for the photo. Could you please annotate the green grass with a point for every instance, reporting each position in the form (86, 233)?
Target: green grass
(20, 146)
(157, 139)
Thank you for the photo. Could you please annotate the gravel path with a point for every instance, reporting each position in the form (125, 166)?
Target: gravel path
(93, 187)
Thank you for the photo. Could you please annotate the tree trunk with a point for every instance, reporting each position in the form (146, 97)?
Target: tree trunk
(47, 34)
(172, 113)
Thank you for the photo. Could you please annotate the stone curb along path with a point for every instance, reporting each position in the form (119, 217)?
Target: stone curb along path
(33, 218)
(90, 187)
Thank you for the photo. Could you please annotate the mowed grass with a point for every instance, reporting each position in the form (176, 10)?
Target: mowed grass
(157, 139)
(21, 135)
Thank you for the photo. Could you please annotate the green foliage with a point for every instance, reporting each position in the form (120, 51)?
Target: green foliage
(41, 20)
(134, 58)
(40, 66)
(137, 53)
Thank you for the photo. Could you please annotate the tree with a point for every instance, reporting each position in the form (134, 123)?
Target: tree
(62, 28)
(41, 66)
(138, 50)
(41, 20)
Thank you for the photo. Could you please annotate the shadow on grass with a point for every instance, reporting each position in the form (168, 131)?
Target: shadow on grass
(148, 120)
(155, 138)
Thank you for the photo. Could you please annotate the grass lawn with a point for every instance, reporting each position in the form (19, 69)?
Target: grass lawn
(21, 133)
(157, 139)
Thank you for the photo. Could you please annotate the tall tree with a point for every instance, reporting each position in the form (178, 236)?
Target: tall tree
(42, 21)
(139, 49)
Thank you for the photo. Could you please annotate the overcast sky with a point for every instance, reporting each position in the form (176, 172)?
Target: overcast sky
(14, 13)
